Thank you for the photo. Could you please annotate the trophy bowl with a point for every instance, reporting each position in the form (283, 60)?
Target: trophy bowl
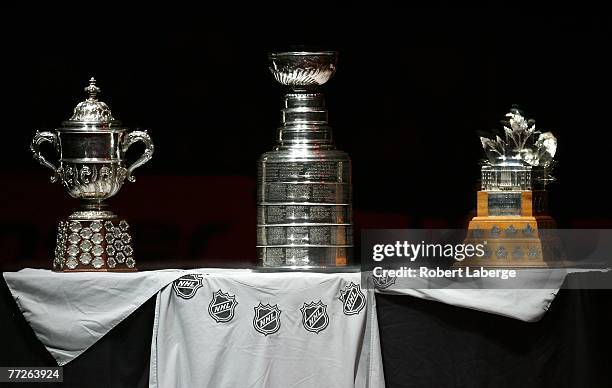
(91, 147)
(303, 68)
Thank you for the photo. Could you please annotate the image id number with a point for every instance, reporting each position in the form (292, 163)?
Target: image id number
(31, 374)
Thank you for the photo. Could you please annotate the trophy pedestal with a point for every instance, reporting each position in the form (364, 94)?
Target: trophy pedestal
(509, 222)
(93, 240)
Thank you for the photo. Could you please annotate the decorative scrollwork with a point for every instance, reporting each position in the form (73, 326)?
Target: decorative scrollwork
(134, 137)
(88, 174)
(92, 110)
(45, 137)
(92, 181)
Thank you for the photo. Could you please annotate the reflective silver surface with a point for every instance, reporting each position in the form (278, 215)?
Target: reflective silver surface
(91, 147)
(521, 160)
(303, 68)
(304, 198)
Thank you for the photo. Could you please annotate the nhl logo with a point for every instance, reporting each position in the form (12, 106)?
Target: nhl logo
(266, 319)
(353, 299)
(187, 286)
(382, 282)
(314, 316)
(222, 306)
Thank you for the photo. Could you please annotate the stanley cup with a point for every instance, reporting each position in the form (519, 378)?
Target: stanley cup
(91, 147)
(304, 215)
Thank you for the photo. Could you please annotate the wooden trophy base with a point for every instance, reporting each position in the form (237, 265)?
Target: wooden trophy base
(511, 240)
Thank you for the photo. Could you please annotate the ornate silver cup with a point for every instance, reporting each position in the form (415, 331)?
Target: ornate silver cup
(91, 147)
(304, 216)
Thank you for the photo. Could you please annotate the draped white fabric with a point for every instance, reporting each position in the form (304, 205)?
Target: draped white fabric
(333, 345)
(69, 312)
(528, 299)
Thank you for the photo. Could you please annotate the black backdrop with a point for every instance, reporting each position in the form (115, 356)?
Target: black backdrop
(413, 86)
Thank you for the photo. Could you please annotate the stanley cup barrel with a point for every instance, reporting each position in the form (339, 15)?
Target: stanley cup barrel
(304, 214)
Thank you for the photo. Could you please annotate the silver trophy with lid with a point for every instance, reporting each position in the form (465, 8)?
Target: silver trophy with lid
(304, 213)
(91, 146)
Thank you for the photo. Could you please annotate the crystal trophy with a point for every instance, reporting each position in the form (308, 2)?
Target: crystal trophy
(304, 213)
(511, 205)
(91, 147)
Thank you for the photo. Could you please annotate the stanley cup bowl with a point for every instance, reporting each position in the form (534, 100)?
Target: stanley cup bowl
(303, 68)
(91, 146)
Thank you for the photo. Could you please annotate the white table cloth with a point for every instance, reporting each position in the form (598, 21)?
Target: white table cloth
(266, 330)
(532, 292)
(70, 312)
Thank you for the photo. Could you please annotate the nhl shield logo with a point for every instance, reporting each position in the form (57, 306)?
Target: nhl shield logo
(222, 306)
(266, 319)
(353, 299)
(382, 282)
(187, 286)
(314, 316)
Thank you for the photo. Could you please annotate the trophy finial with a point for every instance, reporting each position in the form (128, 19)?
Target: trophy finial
(91, 110)
(92, 89)
(299, 69)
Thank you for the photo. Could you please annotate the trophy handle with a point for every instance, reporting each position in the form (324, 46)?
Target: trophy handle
(134, 137)
(39, 138)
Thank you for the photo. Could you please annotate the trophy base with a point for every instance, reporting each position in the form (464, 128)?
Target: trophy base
(304, 258)
(510, 242)
(93, 240)
(98, 270)
(318, 269)
(509, 223)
